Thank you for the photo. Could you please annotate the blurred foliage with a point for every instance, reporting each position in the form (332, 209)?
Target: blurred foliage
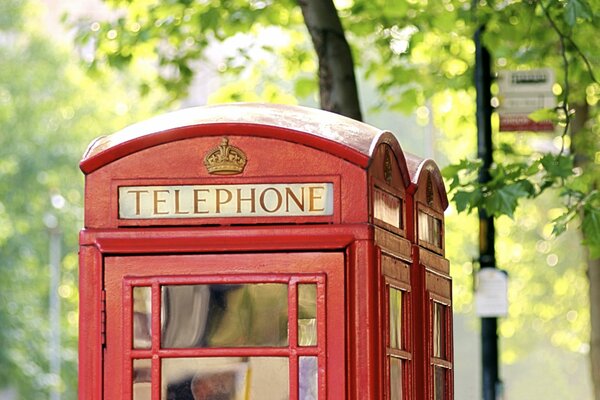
(50, 109)
(411, 51)
(418, 53)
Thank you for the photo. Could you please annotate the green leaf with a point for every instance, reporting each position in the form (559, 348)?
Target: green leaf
(465, 200)
(503, 201)
(465, 165)
(560, 166)
(560, 223)
(544, 114)
(577, 9)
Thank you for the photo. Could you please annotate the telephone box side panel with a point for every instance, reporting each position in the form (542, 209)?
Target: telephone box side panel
(269, 162)
(439, 334)
(364, 378)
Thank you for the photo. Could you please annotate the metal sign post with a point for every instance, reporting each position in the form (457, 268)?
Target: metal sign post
(487, 259)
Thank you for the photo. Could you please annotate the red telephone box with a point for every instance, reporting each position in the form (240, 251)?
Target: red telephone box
(253, 251)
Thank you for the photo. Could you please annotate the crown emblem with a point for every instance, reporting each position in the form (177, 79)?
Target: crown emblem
(225, 159)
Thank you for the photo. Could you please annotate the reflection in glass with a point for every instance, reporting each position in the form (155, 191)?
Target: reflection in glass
(436, 229)
(307, 314)
(224, 315)
(395, 378)
(430, 229)
(439, 383)
(395, 318)
(439, 330)
(387, 208)
(142, 379)
(308, 379)
(225, 378)
(423, 226)
(142, 317)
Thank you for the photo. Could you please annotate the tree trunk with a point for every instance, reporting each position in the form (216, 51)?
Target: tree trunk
(593, 266)
(337, 82)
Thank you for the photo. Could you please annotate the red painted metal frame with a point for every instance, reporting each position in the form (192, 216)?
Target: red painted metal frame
(191, 269)
(352, 240)
(406, 353)
(448, 361)
(293, 351)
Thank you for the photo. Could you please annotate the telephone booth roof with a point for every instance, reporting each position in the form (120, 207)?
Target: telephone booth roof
(416, 168)
(346, 138)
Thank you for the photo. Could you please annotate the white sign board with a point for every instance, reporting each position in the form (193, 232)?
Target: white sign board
(226, 201)
(491, 296)
(520, 94)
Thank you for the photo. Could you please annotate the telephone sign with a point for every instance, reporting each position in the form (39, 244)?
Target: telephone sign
(210, 201)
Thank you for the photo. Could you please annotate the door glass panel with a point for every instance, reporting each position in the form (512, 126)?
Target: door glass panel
(142, 379)
(395, 378)
(224, 315)
(395, 310)
(307, 314)
(439, 383)
(308, 382)
(142, 317)
(439, 330)
(225, 378)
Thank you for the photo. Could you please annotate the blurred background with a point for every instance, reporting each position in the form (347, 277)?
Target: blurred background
(61, 86)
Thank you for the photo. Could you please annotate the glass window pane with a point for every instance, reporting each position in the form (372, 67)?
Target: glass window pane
(439, 330)
(309, 377)
(423, 226)
(436, 232)
(395, 310)
(225, 378)
(387, 208)
(395, 378)
(142, 317)
(224, 315)
(307, 314)
(142, 379)
(439, 383)
(430, 229)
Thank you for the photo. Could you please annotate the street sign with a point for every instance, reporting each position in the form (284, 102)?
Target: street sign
(491, 296)
(520, 94)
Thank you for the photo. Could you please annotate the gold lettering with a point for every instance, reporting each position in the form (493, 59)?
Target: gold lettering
(262, 200)
(312, 196)
(289, 193)
(251, 199)
(157, 201)
(218, 201)
(138, 194)
(198, 200)
(177, 204)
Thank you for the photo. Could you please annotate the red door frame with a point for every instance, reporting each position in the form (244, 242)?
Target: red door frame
(324, 269)
(362, 378)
